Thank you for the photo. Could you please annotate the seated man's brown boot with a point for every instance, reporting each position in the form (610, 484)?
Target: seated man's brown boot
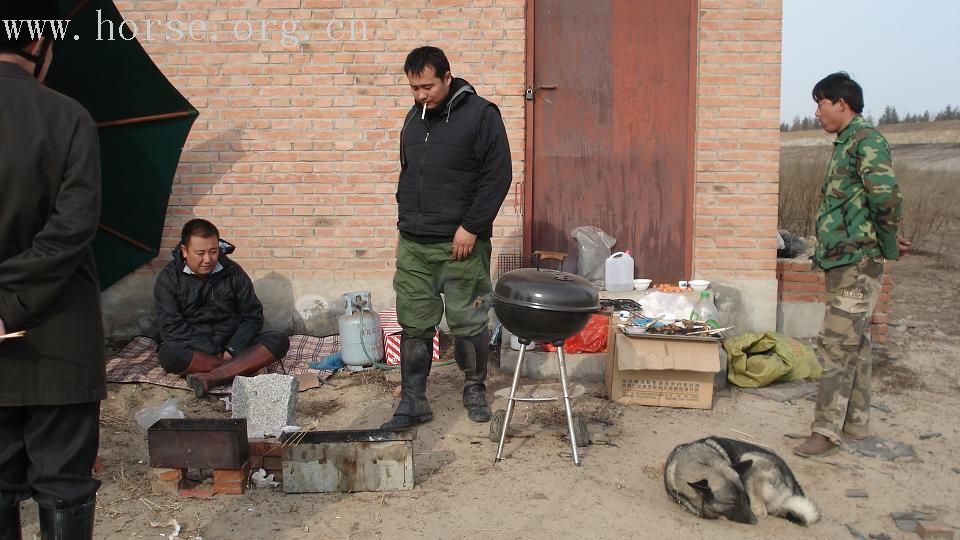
(816, 445)
(202, 362)
(249, 362)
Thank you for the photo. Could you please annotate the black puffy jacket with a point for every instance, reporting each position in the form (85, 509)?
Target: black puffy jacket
(209, 315)
(455, 168)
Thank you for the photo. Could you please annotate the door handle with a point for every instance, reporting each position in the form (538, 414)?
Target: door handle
(528, 95)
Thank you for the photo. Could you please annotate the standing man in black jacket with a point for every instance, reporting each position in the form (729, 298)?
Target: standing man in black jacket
(209, 314)
(455, 173)
(51, 380)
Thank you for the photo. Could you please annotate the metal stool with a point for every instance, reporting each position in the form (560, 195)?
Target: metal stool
(574, 424)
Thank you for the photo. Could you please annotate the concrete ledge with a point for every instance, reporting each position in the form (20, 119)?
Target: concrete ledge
(544, 365)
(800, 319)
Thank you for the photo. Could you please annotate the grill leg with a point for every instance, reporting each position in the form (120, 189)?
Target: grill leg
(566, 404)
(510, 402)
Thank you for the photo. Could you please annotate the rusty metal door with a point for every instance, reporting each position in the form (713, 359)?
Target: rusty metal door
(612, 116)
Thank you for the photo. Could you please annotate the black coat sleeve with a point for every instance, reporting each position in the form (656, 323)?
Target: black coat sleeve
(173, 325)
(251, 312)
(33, 278)
(496, 173)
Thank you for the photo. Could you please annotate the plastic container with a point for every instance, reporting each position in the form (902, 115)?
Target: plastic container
(705, 311)
(361, 339)
(618, 272)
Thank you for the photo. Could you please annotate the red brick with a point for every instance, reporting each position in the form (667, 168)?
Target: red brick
(272, 462)
(166, 481)
(231, 481)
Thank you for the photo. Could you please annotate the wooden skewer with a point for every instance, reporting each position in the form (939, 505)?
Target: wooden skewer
(299, 435)
(709, 332)
(12, 335)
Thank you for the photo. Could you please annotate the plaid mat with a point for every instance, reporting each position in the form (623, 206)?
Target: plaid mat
(138, 362)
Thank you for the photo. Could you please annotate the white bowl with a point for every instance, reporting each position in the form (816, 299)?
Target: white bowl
(699, 285)
(641, 284)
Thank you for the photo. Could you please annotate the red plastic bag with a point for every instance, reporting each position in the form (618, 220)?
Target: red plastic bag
(592, 339)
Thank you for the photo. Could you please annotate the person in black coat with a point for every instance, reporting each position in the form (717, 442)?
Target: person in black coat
(210, 317)
(455, 171)
(52, 378)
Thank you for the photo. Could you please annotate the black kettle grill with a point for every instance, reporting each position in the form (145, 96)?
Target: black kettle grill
(543, 306)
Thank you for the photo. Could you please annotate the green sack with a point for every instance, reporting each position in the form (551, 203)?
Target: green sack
(756, 360)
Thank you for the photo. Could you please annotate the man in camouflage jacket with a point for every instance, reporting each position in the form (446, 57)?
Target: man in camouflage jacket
(856, 230)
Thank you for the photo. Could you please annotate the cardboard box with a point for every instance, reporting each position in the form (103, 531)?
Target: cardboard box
(662, 371)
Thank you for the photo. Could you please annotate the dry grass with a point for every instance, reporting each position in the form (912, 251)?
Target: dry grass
(904, 133)
(931, 199)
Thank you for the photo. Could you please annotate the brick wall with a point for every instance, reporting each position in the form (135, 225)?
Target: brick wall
(738, 139)
(798, 283)
(295, 152)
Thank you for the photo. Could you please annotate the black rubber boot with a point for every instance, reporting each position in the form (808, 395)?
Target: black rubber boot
(416, 357)
(10, 522)
(73, 523)
(471, 354)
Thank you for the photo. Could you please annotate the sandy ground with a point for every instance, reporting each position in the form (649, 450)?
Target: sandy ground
(617, 492)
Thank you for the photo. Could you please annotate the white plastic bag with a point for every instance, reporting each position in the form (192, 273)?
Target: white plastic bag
(148, 416)
(673, 307)
(593, 248)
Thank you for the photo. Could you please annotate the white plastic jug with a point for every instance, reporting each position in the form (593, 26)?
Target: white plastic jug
(618, 272)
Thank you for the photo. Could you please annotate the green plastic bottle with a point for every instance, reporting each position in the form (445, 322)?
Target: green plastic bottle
(705, 311)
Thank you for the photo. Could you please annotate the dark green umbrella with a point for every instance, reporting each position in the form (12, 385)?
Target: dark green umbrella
(143, 123)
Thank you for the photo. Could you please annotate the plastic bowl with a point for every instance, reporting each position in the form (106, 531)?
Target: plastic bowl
(641, 284)
(699, 285)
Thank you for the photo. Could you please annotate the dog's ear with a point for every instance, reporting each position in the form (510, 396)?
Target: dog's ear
(742, 467)
(703, 487)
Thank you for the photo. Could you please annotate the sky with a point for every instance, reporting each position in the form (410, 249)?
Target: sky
(904, 53)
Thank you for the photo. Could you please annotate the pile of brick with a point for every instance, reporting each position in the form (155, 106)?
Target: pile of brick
(798, 282)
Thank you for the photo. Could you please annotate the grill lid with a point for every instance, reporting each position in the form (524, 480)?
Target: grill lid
(548, 290)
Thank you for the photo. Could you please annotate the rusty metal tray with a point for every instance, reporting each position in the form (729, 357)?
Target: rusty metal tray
(198, 443)
(347, 461)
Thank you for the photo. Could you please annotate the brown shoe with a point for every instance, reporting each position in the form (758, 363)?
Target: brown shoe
(248, 362)
(816, 445)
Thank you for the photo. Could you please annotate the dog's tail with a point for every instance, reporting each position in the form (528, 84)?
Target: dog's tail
(801, 510)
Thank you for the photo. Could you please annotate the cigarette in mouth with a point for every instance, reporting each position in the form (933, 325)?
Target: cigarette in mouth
(423, 115)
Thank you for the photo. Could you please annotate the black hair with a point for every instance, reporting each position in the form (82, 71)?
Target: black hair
(839, 85)
(421, 57)
(18, 11)
(198, 227)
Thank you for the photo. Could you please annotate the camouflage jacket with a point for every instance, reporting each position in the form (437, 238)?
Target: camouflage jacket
(861, 201)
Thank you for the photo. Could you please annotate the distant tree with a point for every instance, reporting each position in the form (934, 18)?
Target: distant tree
(784, 126)
(889, 116)
(948, 113)
(925, 117)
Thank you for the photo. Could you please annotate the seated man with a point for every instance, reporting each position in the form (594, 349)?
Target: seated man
(209, 315)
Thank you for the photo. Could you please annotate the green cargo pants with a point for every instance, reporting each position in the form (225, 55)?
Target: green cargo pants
(426, 270)
(843, 397)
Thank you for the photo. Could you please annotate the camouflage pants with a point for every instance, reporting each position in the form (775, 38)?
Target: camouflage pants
(843, 398)
(426, 270)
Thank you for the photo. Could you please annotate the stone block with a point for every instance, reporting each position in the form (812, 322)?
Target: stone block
(268, 402)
